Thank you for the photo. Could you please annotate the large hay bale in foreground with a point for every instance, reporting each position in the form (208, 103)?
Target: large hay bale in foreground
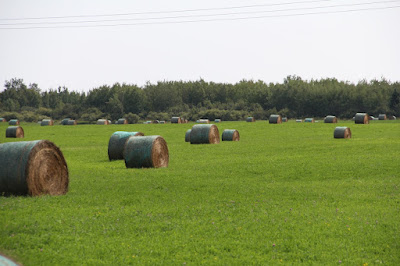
(330, 119)
(32, 167)
(275, 119)
(382, 117)
(176, 120)
(47, 122)
(204, 134)
(117, 142)
(71, 123)
(65, 121)
(187, 135)
(102, 122)
(122, 121)
(13, 122)
(342, 133)
(15, 132)
(230, 135)
(361, 118)
(309, 120)
(250, 119)
(146, 151)
(2, 119)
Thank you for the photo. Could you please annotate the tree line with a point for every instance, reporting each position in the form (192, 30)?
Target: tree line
(294, 98)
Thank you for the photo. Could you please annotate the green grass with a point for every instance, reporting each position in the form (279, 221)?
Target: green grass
(287, 193)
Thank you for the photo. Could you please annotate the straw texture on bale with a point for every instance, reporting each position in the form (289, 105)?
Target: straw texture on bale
(382, 117)
(65, 121)
(176, 120)
(13, 122)
(71, 123)
(146, 151)
(33, 167)
(122, 121)
(14, 132)
(230, 135)
(117, 142)
(47, 122)
(2, 119)
(284, 119)
(187, 135)
(250, 119)
(330, 119)
(342, 133)
(204, 134)
(102, 122)
(275, 119)
(309, 120)
(361, 118)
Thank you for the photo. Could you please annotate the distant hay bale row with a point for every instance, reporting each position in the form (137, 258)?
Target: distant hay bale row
(250, 119)
(13, 122)
(146, 151)
(32, 167)
(14, 132)
(117, 142)
(230, 135)
(178, 120)
(342, 133)
(275, 119)
(47, 122)
(361, 118)
(330, 119)
(204, 134)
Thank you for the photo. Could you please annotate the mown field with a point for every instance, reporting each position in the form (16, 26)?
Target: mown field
(283, 194)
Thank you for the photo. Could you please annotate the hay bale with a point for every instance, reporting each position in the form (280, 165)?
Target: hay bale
(230, 135)
(14, 132)
(162, 122)
(275, 119)
(176, 120)
(309, 120)
(71, 123)
(204, 121)
(13, 122)
(392, 117)
(47, 122)
(155, 122)
(284, 119)
(330, 119)
(146, 151)
(204, 134)
(2, 119)
(250, 119)
(117, 142)
(122, 121)
(32, 167)
(187, 135)
(342, 133)
(65, 121)
(217, 120)
(102, 122)
(382, 117)
(299, 121)
(361, 118)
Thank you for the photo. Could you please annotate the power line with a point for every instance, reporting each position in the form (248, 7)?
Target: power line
(201, 15)
(203, 20)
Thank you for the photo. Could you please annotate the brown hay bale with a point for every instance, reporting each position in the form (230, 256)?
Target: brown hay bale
(275, 119)
(382, 117)
(361, 118)
(33, 167)
(330, 119)
(47, 122)
(204, 134)
(250, 119)
(102, 122)
(117, 142)
(71, 123)
(14, 132)
(342, 133)
(2, 119)
(13, 122)
(176, 120)
(309, 120)
(230, 135)
(146, 151)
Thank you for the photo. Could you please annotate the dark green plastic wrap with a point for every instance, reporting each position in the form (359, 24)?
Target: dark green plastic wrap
(382, 117)
(32, 167)
(361, 118)
(284, 119)
(230, 135)
(47, 122)
(204, 134)
(275, 119)
(15, 132)
(146, 151)
(71, 123)
(117, 142)
(13, 122)
(176, 120)
(309, 120)
(250, 119)
(122, 121)
(342, 133)
(65, 121)
(187, 135)
(330, 119)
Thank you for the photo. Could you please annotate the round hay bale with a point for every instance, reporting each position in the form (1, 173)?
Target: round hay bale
(204, 121)
(122, 121)
(299, 121)
(65, 121)
(230, 135)
(392, 117)
(187, 135)
(162, 122)
(117, 142)
(284, 119)
(204, 134)
(275, 119)
(32, 167)
(217, 120)
(13, 122)
(250, 119)
(309, 120)
(330, 119)
(146, 151)
(342, 133)
(2, 119)
(361, 118)
(176, 120)
(102, 122)
(15, 132)
(71, 123)
(382, 117)
(155, 122)
(47, 122)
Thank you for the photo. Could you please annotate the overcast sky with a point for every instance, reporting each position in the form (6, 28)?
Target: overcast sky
(345, 45)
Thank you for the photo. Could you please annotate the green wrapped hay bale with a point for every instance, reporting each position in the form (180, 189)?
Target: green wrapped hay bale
(217, 120)
(187, 135)
(250, 119)
(162, 122)
(65, 121)
(382, 117)
(342, 133)
(309, 120)
(13, 122)
(146, 151)
(71, 123)
(6, 261)
(330, 119)
(361, 118)
(32, 167)
(122, 121)
(204, 134)
(2, 119)
(117, 142)
(47, 122)
(230, 135)
(299, 121)
(284, 119)
(15, 132)
(392, 117)
(203, 121)
(102, 122)
(275, 119)
(176, 120)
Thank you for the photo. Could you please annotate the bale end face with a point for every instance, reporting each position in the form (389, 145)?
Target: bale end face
(342, 133)
(146, 151)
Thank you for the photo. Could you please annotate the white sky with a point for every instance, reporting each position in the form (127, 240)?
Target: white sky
(347, 46)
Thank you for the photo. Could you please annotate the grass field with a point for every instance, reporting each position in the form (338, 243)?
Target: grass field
(283, 194)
